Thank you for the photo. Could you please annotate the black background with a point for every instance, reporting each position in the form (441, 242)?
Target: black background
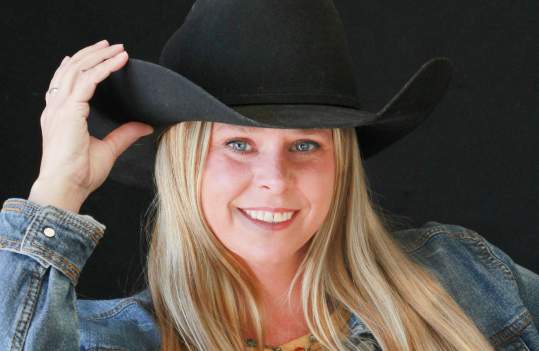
(474, 162)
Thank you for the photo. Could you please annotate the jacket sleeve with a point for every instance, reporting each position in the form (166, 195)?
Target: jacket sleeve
(42, 252)
(527, 281)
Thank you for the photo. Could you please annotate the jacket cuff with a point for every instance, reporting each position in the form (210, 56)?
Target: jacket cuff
(51, 235)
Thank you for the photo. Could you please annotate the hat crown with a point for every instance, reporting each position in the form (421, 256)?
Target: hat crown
(264, 52)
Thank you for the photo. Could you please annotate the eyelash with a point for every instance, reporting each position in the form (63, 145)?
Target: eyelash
(317, 146)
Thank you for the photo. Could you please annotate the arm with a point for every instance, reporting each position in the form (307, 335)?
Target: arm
(527, 281)
(42, 251)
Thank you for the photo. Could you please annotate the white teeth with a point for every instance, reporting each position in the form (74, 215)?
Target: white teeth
(269, 216)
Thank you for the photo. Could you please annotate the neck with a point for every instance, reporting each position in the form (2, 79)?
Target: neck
(283, 322)
(274, 279)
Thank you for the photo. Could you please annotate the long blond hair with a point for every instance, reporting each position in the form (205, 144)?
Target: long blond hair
(203, 297)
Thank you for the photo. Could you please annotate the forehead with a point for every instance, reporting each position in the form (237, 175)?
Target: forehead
(224, 127)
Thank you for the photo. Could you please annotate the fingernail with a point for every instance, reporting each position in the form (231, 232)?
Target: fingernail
(102, 42)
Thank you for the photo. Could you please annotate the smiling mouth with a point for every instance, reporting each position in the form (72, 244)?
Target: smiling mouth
(280, 211)
(269, 225)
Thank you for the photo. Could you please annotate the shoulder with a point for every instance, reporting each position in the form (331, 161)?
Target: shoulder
(459, 256)
(414, 239)
(438, 244)
(482, 278)
(118, 324)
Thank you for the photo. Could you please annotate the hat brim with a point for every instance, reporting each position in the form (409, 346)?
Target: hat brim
(153, 94)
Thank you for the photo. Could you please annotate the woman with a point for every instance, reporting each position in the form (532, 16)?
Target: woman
(333, 276)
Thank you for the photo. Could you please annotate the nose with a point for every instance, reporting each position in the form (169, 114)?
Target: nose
(274, 172)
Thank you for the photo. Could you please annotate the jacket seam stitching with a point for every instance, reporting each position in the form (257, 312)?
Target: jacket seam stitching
(466, 234)
(8, 244)
(114, 310)
(66, 266)
(432, 232)
(29, 304)
(491, 257)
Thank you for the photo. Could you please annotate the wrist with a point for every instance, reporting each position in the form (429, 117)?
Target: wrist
(61, 194)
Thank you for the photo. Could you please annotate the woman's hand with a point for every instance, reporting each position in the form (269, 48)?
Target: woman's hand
(74, 163)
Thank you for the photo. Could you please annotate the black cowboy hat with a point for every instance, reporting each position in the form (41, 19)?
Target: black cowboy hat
(261, 63)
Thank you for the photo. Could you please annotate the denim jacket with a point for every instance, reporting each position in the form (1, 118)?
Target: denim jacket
(44, 248)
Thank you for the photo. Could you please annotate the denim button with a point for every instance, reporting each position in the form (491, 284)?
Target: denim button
(48, 232)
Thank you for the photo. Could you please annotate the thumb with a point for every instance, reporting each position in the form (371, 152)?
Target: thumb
(125, 135)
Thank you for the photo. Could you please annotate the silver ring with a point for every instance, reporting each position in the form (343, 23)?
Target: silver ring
(52, 90)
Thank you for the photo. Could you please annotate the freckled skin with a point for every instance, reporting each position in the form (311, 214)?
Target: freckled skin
(274, 172)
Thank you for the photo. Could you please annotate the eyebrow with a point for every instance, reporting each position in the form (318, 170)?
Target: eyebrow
(249, 130)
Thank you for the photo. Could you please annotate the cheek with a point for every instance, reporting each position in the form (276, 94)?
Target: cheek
(222, 180)
(224, 174)
(318, 175)
(317, 186)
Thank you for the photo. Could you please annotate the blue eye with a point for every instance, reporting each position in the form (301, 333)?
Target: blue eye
(302, 149)
(236, 142)
(308, 143)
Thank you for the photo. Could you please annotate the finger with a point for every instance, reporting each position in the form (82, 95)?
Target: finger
(89, 49)
(73, 73)
(77, 56)
(97, 57)
(124, 136)
(60, 72)
(87, 83)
